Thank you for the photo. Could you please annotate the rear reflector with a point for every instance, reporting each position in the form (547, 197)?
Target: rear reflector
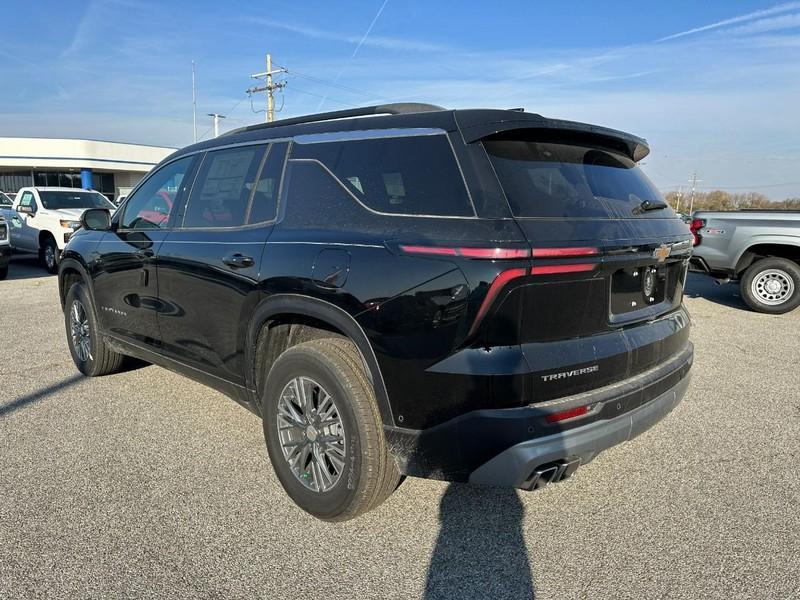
(555, 269)
(567, 414)
(564, 252)
(497, 285)
(482, 253)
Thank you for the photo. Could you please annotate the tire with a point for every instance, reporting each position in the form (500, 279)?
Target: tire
(50, 255)
(95, 357)
(3, 273)
(367, 474)
(772, 285)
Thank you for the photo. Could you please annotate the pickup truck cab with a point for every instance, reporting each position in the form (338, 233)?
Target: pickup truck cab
(44, 218)
(760, 249)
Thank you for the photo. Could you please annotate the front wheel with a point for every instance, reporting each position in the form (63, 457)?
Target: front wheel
(772, 285)
(89, 352)
(324, 433)
(50, 255)
(3, 272)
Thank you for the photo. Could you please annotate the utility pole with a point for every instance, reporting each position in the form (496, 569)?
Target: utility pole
(194, 105)
(693, 181)
(217, 117)
(269, 88)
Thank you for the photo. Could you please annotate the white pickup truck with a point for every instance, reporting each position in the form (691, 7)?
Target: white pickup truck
(760, 249)
(42, 219)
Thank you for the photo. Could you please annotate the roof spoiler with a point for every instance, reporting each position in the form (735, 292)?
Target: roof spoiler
(398, 108)
(634, 147)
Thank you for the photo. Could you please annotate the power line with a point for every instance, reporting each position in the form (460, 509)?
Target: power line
(337, 85)
(297, 89)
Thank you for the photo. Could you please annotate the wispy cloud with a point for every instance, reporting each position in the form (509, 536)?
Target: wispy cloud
(387, 43)
(768, 25)
(774, 10)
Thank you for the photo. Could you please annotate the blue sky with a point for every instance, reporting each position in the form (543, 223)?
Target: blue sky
(714, 86)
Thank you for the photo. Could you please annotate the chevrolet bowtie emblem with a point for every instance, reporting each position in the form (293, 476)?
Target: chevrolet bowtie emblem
(662, 252)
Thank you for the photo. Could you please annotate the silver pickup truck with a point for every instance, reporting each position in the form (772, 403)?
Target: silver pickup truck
(761, 249)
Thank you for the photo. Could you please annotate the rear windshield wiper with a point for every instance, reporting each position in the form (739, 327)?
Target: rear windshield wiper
(646, 205)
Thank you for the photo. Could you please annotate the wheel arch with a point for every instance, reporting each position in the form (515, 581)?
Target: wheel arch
(777, 246)
(286, 308)
(71, 271)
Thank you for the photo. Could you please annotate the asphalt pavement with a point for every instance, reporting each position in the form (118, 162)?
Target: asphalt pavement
(145, 484)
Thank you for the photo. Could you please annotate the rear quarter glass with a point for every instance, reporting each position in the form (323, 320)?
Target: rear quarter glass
(415, 175)
(553, 180)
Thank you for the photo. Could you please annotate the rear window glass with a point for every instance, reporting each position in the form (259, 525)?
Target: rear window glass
(402, 175)
(558, 180)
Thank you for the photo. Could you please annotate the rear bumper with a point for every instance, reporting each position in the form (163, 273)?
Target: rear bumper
(516, 466)
(505, 446)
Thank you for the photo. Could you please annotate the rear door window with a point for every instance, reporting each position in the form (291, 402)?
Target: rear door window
(415, 175)
(543, 179)
(223, 188)
(264, 205)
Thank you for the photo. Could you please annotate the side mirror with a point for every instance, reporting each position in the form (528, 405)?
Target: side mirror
(25, 209)
(96, 219)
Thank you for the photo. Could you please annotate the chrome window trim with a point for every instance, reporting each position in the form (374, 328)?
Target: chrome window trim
(366, 134)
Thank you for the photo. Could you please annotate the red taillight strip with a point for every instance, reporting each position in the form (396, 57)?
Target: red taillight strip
(434, 250)
(493, 253)
(483, 253)
(554, 269)
(563, 252)
(567, 414)
(497, 285)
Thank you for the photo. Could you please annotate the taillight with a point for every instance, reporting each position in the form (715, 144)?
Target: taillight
(696, 225)
(564, 252)
(497, 285)
(556, 269)
(481, 253)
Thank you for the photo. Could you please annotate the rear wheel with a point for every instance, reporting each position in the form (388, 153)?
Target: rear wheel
(772, 285)
(89, 352)
(323, 431)
(50, 255)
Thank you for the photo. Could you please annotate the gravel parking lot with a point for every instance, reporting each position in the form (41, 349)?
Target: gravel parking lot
(146, 484)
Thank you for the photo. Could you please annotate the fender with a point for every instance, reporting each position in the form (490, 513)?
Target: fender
(323, 311)
(71, 262)
(771, 238)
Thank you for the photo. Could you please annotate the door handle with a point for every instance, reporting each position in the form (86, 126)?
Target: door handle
(144, 253)
(238, 261)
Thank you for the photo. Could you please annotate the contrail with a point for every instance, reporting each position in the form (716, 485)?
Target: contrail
(780, 8)
(357, 48)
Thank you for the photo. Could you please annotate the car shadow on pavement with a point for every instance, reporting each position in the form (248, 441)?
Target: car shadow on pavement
(726, 294)
(22, 401)
(480, 551)
(26, 266)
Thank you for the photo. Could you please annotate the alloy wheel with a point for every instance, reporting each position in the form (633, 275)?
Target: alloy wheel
(79, 331)
(311, 433)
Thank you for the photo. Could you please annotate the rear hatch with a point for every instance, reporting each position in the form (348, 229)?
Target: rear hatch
(603, 300)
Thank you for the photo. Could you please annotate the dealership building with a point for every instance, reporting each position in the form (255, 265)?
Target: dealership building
(111, 168)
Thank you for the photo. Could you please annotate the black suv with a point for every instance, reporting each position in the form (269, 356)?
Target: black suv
(485, 296)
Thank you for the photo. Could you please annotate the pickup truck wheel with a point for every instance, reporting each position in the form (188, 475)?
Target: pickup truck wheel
(3, 272)
(324, 433)
(89, 352)
(772, 285)
(50, 255)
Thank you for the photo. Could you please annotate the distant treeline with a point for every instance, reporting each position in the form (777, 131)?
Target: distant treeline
(721, 200)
